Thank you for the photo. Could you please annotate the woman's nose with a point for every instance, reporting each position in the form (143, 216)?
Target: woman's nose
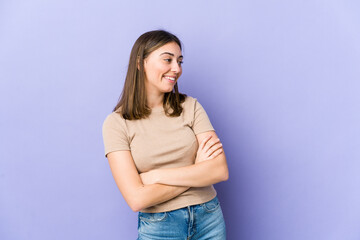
(176, 67)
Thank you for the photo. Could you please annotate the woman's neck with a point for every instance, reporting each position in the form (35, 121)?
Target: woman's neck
(155, 101)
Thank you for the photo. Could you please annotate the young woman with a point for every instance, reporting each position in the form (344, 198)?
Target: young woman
(163, 152)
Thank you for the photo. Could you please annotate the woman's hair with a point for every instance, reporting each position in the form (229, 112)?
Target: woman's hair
(132, 103)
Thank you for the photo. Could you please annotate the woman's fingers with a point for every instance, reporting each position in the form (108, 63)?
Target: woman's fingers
(209, 149)
(214, 148)
(210, 144)
(202, 144)
(215, 154)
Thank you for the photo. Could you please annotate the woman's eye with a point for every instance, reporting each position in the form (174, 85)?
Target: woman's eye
(169, 61)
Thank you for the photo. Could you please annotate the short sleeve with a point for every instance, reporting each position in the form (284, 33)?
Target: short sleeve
(201, 120)
(115, 134)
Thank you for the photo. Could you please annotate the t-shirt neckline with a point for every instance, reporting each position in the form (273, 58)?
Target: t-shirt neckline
(157, 109)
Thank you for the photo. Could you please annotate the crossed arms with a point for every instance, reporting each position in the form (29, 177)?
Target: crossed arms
(148, 189)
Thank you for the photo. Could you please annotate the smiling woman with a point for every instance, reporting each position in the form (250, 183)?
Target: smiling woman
(162, 68)
(161, 147)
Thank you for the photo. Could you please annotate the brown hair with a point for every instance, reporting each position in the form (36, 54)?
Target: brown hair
(132, 102)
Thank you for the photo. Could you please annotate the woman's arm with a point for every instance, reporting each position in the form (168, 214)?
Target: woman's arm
(137, 195)
(203, 173)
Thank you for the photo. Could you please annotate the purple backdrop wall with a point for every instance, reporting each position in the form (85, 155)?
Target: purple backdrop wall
(279, 80)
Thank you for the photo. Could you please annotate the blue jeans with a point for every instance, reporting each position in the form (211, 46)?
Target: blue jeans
(197, 222)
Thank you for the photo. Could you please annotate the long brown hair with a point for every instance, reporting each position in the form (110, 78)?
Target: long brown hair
(132, 102)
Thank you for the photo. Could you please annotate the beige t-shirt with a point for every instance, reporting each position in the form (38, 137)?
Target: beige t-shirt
(162, 142)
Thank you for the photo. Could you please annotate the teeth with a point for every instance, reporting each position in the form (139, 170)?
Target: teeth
(170, 78)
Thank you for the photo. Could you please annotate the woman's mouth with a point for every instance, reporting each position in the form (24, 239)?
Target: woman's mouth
(170, 79)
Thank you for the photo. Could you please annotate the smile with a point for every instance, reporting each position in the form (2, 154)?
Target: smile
(171, 79)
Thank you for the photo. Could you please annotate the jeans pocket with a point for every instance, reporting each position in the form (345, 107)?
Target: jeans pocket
(152, 217)
(211, 205)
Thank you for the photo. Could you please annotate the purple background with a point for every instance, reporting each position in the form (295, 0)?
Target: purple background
(279, 80)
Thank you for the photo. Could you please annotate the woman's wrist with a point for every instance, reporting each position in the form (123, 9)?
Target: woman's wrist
(150, 177)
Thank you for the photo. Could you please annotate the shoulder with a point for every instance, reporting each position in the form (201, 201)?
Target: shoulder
(193, 104)
(114, 119)
(189, 102)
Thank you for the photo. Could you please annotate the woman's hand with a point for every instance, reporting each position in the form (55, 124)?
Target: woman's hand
(149, 177)
(208, 149)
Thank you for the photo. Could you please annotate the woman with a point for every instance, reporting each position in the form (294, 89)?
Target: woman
(163, 152)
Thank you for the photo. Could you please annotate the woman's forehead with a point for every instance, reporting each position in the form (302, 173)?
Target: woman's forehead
(171, 48)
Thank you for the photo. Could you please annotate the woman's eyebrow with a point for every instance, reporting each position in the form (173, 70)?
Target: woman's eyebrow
(171, 54)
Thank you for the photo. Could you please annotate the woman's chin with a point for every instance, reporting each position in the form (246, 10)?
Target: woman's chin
(168, 90)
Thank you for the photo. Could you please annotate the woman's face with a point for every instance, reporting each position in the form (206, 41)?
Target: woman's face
(163, 68)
